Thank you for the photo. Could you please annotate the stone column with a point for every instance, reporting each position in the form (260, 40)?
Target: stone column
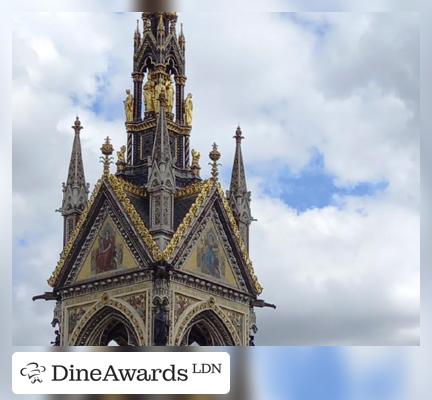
(138, 83)
(180, 84)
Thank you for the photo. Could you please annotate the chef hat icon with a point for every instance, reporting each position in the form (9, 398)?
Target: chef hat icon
(33, 371)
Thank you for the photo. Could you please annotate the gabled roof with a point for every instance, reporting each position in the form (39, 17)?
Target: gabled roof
(119, 189)
(191, 201)
(210, 187)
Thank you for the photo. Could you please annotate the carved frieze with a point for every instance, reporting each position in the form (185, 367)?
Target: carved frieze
(139, 302)
(74, 316)
(237, 319)
(181, 303)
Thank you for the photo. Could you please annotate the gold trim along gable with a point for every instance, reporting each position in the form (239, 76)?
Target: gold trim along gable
(120, 187)
(69, 245)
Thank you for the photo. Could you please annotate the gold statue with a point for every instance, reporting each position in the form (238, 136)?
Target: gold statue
(148, 95)
(188, 108)
(169, 95)
(195, 167)
(159, 88)
(195, 158)
(121, 155)
(128, 106)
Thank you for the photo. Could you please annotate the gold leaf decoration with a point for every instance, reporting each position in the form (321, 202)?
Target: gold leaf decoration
(120, 187)
(189, 190)
(69, 245)
(132, 213)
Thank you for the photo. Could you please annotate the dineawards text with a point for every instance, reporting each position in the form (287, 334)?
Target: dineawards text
(113, 374)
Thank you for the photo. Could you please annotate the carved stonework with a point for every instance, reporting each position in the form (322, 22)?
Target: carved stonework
(166, 210)
(157, 209)
(74, 316)
(200, 307)
(160, 321)
(236, 319)
(181, 303)
(57, 315)
(88, 322)
(139, 303)
(157, 256)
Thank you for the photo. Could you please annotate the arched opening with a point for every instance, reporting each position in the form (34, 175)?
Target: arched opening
(207, 329)
(108, 327)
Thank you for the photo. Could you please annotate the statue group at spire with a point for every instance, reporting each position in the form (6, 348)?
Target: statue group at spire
(152, 90)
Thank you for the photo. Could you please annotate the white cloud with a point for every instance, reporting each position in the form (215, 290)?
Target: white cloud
(338, 276)
(343, 275)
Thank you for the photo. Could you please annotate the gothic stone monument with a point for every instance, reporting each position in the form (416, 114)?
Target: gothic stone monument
(157, 255)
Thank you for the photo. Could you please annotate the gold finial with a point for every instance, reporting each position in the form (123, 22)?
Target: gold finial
(195, 167)
(214, 156)
(107, 150)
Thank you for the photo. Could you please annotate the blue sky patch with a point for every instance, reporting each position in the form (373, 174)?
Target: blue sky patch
(23, 242)
(318, 27)
(323, 373)
(313, 187)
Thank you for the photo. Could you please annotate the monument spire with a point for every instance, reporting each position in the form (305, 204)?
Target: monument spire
(161, 183)
(238, 194)
(75, 190)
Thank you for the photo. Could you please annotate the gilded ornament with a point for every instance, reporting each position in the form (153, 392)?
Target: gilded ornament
(121, 158)
(128, 106)
(189, 190)
(135, 218)
(52, 281)
(149, 95)
(159, 90)
(107, 149)
(214, 156)
(195, 167)
(188, 110)
(169, 88)
(195, 158)
(131, 188)
(151, 123)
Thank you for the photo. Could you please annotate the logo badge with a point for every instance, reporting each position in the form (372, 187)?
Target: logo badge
(33, 371)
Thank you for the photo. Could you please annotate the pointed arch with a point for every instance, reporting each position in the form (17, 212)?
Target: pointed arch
(109, 319)
(207, 322)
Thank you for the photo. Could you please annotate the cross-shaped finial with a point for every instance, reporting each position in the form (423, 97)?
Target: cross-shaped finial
(107, 150)
(214, 156)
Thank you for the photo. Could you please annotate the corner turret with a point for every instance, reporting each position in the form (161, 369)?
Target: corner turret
(75, 190)
(239, 197)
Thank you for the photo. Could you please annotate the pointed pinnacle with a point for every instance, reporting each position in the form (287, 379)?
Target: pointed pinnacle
(161, 27)
(238, 135)
(77, 125)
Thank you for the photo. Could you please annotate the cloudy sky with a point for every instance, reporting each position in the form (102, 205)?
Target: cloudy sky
(328, 104)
